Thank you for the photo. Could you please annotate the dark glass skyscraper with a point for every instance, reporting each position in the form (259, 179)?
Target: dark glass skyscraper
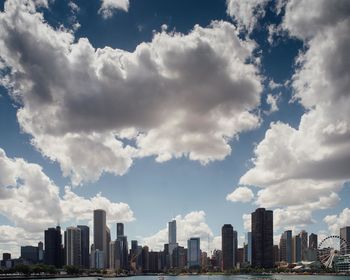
(85, 245)
(262, 238)
(313, 244)
(120, 230)
(53, 247)
(227, 245)
(345, 235)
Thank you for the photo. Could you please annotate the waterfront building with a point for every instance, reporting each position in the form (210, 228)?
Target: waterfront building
(286, 246)
(345, 235)
(240, 256)
(53, 247)
(145, 259)
(108, 240)
(120, 230)
(193, 252)
(154, 262)
(313, 243)
(100, 236)
(249, 248)
(171, 240)
(179, 257)
(30, 254)
(296, 249)
(73, 246)
(40, 252)
(85, 245)
(262, 238)
(303, 239)
(227, 247)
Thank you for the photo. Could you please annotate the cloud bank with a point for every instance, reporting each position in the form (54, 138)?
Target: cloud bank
(95, 110)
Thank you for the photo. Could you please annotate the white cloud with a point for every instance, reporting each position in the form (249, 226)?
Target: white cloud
(191, 225)
(31, 202)
(272, 100)
(335, 222)
(246, 13)
(247, 222)
(241, 194)
(80, 208)
(305, 167)
(178, 95)
(108, 7)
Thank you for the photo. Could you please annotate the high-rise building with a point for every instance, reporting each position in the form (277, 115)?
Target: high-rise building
(40, 252)
(6, 256)
(172, 240)
(240, 256)
(227, 247)
(145, 259)
(296, 249)
(286, 246)
(30, 253)
(303, 239)
(345, 235)
(85, 245)
(108, 240)
(172, 231)
(313, 243)
(73, 246)
(249, 248)
(262, 238)
(53, 247)
(193, 252)
(179, 257)
(100, 236)
(120, 230)
(154, 262)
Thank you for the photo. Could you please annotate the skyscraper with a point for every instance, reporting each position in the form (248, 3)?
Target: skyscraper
(286, 246)
(120, 230)
(53, 247)
(40, 252)
(193, 252)
(172, 231)
(313, 243)
(100, 236)
(73, 246)
(249, 247)
(172, 240)
(296, 249)
(85, 245)
(303, 239)
(227, 247)
(262, 238)
(345, 235)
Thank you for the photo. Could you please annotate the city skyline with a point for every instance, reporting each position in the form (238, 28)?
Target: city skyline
(112, 252)
(198, 113)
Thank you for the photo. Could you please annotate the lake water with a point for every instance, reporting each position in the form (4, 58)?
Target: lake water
(231, 277)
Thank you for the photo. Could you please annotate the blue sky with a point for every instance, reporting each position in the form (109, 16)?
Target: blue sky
(207, 100)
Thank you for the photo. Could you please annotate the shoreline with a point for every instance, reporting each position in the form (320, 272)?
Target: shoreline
(162, 275)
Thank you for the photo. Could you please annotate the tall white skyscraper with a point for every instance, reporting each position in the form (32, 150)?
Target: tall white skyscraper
(100, 235)
(73, 246)
(172, 232)
(172, 239)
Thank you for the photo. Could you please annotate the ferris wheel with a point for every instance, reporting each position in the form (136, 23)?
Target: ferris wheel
(331, 247)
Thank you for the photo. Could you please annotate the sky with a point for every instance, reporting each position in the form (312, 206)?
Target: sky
(199, 111)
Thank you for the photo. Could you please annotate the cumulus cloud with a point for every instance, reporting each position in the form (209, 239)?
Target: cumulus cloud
(31, 202)
(272, 101)
(241, 194)
(178, 95)
(108, 7)
(191, 225)
(335, 222)
(305, 167)
(246, 13)
(247, 222)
